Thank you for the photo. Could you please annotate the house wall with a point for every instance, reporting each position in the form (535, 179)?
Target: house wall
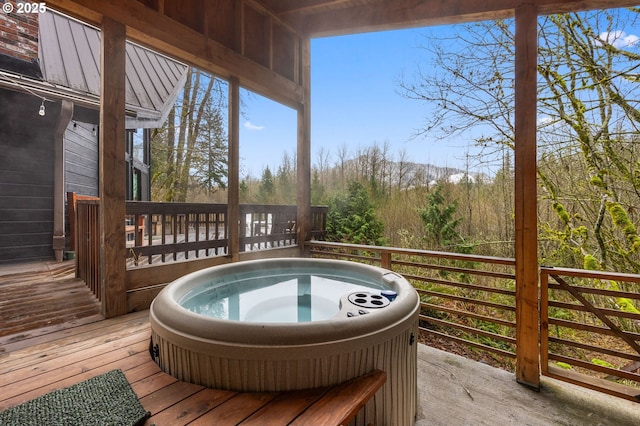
(26, 177)
(81, 159)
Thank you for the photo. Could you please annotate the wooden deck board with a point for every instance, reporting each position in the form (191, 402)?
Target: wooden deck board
(77, 362)
(47, 297)
(69, 340)
(281, 410)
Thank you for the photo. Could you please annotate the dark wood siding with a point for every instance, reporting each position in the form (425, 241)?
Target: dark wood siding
(26, 177)
(81, 159)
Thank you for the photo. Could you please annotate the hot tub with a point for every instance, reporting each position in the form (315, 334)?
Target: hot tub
(289, 324)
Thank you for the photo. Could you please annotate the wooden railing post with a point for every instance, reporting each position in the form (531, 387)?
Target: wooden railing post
(71, 215)
(544, 321)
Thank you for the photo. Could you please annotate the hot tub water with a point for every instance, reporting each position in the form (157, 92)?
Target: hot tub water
(287, 296)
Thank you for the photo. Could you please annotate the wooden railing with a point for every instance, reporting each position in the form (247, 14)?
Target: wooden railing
(266, 226)
(167, 232)
(590, 329)
(175, 231)
(86, 237)
(159, 233)
(590, 324)
(464, 298)
(164, 232)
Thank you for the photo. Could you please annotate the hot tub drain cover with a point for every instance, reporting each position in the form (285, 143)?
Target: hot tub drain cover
(368, 300)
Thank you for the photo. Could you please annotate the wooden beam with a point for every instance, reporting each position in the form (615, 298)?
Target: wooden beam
(258, 5)
(394, 14)
(158, 31)
(59, 240)
(287, 7)
(526, 230)
(303, 172)
(112, 168)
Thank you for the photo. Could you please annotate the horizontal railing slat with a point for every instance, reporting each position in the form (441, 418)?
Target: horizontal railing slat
(598, 291)
(591, 366)
(467, 299)
(468, 314)
(453, 269)
(461, 285)
(468, 329)
(606, 311)
(587, 327)
(606, 351)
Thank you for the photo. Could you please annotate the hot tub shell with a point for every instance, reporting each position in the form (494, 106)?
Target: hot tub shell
(257, 357)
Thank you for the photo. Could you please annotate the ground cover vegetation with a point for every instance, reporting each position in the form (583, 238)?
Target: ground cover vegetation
(588, 176)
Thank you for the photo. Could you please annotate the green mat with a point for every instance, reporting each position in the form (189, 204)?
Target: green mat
(103, 400)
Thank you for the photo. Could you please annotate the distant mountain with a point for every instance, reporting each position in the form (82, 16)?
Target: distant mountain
(407, 174)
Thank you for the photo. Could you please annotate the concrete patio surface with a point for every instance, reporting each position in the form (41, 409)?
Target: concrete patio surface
(456, 391)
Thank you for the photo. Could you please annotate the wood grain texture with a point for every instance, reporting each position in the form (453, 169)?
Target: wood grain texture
(112, 168)
(526, 225)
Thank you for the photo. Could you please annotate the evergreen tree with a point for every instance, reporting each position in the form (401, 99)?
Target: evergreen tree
(267, 188)
(439, 222)
(352, 218)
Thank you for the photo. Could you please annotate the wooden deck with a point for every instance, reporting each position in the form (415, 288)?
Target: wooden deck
(42, 298)
(30, 367)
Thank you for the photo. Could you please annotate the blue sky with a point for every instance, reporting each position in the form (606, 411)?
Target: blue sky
(354, 101)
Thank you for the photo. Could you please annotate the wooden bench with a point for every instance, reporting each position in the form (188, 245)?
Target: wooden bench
(338, 405)
(332, 405)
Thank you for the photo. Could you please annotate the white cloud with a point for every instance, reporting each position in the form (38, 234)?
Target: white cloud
(249, 125)
(619, 39)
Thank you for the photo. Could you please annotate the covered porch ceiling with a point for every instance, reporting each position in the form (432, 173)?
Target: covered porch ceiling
(316, 18)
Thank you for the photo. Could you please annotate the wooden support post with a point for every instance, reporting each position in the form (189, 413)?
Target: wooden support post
(66, 112)
(112, 168)
(303, 173)
(526, 231)
(233, 195)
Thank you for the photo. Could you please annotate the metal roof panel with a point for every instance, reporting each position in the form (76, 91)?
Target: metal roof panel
(69, 53)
